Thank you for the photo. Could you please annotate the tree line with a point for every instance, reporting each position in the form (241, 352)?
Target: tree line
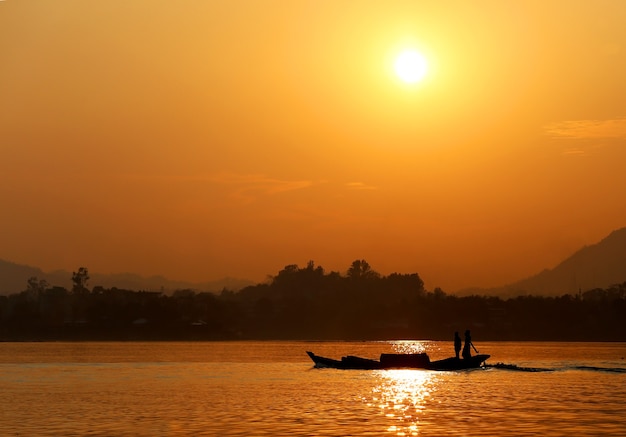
(307, 303)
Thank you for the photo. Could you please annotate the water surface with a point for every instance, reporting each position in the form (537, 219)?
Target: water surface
(271, 389)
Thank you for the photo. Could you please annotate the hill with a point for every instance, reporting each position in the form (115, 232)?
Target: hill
(14, 277)
(597, 266)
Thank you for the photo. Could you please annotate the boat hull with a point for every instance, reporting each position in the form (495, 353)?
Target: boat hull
(398, 361)
(454, 363)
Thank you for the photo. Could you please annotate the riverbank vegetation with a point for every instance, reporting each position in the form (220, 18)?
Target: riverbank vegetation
(307, 303)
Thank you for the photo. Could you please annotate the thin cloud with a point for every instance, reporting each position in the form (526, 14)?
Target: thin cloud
(588, 129)
(250, 186)
(359, 186)
(574, 152)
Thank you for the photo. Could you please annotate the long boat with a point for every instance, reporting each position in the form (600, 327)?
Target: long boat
(399, 361)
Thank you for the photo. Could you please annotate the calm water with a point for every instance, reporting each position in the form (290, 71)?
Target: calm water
(271, 389)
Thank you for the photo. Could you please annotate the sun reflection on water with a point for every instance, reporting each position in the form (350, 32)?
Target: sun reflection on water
(408, 346)
(401, 397)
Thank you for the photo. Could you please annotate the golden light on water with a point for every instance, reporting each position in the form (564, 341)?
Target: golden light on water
(408, 346)
(401, 395)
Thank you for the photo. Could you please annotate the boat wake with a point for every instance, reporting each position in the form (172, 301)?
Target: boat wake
(600, 369)
(516, 368)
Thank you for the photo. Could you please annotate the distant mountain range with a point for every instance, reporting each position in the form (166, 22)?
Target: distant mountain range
(14, 277)
(597, 266)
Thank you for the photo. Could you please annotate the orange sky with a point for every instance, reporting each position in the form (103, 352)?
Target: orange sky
(203, 139)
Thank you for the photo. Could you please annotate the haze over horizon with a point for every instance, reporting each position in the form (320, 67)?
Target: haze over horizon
(202, 140)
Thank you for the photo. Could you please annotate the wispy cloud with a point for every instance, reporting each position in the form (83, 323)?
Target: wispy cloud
(588, 129)
(574, 152)
(359, 186)
(250, 186)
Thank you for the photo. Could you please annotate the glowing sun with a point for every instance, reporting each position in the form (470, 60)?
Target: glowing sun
(411, 66)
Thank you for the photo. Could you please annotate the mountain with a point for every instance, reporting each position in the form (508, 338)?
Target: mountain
(14, 277)
(597, 266)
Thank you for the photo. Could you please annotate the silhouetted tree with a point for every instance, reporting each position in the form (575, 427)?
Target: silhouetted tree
(79, 280)
(36, 287)
(307, 303)
(360, 269)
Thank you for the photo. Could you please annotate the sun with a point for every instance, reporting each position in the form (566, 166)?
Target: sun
(411, 66)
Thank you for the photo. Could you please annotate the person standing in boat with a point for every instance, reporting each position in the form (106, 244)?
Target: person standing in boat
(467, 352)
(457, 344)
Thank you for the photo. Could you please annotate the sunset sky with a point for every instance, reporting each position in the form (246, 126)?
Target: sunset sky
(205, 139)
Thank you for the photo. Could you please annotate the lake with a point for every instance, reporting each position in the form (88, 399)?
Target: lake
(271, 389)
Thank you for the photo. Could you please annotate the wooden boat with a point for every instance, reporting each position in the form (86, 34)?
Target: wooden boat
(399, 361)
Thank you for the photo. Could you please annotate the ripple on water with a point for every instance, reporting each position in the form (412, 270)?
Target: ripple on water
(284, 397)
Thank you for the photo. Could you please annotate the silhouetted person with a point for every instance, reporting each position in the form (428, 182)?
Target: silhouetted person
(457, 344)
(467, 353)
